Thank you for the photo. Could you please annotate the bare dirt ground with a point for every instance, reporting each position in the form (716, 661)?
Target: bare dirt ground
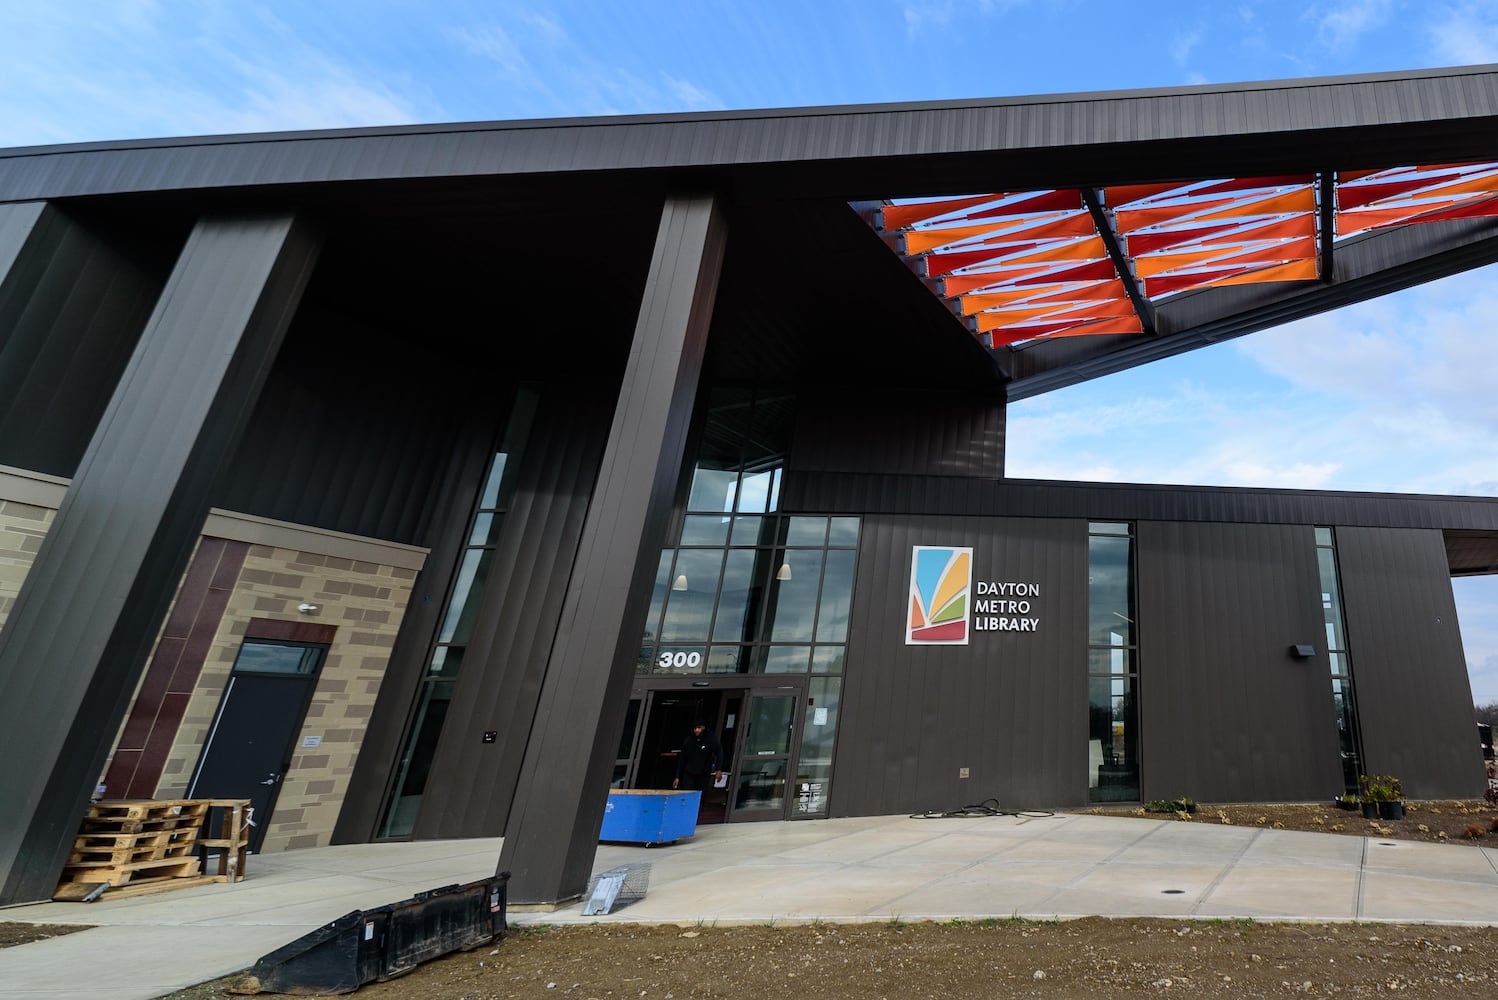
(14, 934)
(1000, 959)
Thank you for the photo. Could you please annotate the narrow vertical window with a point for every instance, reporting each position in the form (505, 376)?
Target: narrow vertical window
(1349, 740)
(465, 592)
(1112, 665)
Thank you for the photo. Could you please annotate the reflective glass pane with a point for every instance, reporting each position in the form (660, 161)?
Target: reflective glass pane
(755, 491)
(1347, 732)
(837, 595)
(1112, 741)
(812, 789)
(741, 596)
(844, 531)
(489, 499)
(627, 734)
(769, 725)
(1331, 602)
(458, 624)
(807, 531)
(728, 660)
(658, 594)
(786, 659)
(820, 728)
(746, 530)
(1324, 536)
(689, 605)
(1114, 661)
(792, 604)
(416, 762)
(499, 491)
(1108, 527)
(761, 786)
(1110, 615)
(1339, 664)
(486, 529)
(275, 658)
(446, 661)
(704, 530)
(827, 660)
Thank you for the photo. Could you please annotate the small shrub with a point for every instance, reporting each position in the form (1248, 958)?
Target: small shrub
(1493, 824)
(1472, 831)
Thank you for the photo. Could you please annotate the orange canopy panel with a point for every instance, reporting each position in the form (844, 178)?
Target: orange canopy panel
(1014, 335)
(1356, 196)
(900, 216)
(1094, 271)
(1083, 249)
(921, 240)
(1008, 317)
(1295, 270)
(1352, 223)
(1089, 292)
(938, 264)
(958, 284)
(1106, 326)
(1169, 283)
(1123, 194)
(1142, 243)
(1300, 200)
(979, 301)
(1482, 208)
(1274, 252)
(1130, 220)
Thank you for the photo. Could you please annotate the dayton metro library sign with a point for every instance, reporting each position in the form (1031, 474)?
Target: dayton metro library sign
(945, 608)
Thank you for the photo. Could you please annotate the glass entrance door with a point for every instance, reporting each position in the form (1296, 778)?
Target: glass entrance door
(762, 772)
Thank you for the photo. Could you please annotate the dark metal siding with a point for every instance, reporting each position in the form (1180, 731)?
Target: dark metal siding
(1409, 672)
(1348, 115)
(471, 784)
(1011, 707)
(909, 433)
(1226, 714)
(72, 306)
(867, 492)
(355, 431)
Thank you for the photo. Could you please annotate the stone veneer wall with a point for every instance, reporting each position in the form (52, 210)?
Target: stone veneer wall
(365, 600)
(28, 503)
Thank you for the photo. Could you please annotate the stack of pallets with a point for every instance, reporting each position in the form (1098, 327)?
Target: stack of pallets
(146, 845)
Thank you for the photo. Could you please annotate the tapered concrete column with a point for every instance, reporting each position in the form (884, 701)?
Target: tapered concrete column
(552, 833)
(83, 623)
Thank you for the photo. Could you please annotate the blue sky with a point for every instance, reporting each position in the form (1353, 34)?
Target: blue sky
(1329, 403)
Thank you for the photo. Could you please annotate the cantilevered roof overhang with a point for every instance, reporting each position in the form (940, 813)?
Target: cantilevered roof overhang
(1164, 219)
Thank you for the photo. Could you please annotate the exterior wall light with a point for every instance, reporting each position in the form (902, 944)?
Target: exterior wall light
(784, 572)
(681, 583)
(308, 609)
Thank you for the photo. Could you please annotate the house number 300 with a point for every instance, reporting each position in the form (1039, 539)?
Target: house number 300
(678, 660)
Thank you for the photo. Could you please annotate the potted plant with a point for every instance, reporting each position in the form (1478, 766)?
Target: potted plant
(1391, 805)
(1367, 795)
(1348, 803)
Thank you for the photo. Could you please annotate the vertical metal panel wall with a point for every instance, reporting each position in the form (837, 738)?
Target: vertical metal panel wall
(931, 433)
(472, 782)
(1408, 669)
(1226, 714)
(1009, 706)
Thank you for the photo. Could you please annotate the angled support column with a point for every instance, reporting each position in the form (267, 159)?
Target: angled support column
(552, 833)
(83, 623)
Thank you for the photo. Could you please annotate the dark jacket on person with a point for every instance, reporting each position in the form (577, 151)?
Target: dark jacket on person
(699, 755)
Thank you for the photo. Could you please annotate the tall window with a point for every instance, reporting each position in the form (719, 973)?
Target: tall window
(750, 590)
(1112, 665)
(1349, 740)
(451, 641)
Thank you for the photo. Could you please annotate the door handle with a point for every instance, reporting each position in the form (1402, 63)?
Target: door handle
(271, 780)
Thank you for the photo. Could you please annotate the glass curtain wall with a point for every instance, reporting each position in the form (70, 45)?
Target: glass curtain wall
(1112, 665)
(750, 590)
(445, 658)
(1349, 740)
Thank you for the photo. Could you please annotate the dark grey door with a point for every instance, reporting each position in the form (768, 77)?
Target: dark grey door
(253, 736)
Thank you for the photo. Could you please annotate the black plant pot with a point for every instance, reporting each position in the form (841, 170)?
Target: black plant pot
(1391, 810)
(1370, 810)
(1346, 806)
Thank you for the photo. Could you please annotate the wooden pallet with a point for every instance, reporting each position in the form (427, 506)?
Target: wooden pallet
(226, 837)
(134, 842)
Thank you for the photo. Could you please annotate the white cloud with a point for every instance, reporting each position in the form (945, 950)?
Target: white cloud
(1340, 27)
(1465, 34)
(1183, 43)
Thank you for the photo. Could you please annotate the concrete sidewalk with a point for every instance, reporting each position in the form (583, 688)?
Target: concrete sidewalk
(842, 870)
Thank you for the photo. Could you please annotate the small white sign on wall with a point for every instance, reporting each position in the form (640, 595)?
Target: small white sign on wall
(311, 741)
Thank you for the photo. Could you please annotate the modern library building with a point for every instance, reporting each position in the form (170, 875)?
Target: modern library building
(430, 481)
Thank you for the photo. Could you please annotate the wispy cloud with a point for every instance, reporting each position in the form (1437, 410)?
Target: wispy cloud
(1465, 34)
(1340, 26)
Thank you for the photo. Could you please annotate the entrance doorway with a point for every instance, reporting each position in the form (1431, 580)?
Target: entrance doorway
(253, 736)
(756, 727)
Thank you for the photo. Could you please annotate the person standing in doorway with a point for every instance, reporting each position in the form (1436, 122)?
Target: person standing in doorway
(701, 759)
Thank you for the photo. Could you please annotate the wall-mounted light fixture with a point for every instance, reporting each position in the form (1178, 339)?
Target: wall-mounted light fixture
(307, 609)
(784, 572)
(681, 583)
(1302, 651)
